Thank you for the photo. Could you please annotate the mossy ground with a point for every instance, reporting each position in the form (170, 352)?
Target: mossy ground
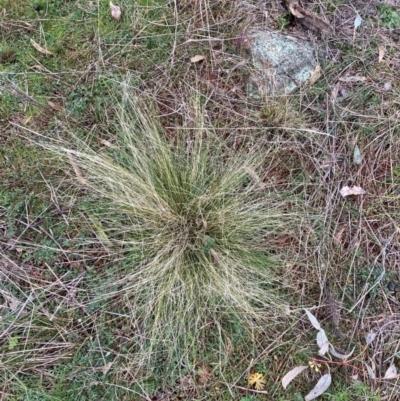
(56, 344)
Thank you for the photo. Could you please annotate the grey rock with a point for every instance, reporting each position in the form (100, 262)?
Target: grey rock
(282, 63)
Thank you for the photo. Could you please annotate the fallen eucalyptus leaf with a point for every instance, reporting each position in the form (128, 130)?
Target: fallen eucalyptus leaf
(338, 355)
(370, 371)
(115, 11)
(357, 21)
(357, 155)
(370, 337)
(346, 191)
(292, 374)
(391, 373)
(323, 384)
(323, 342)
(324, 349)
(39, 48)
(322, 338)
(197, 58)
(313, 319)
(387, 86)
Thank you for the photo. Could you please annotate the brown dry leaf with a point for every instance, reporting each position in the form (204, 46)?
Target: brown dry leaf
(346, 191)
(307, 18)
(39, 48)
(335, 92)
(106, 367)
(381, 53)
(293, 9)
(197, 58)
(315, 75)
(3, 12)
(204, 374)
(115, 11)
(337, 239)
(354, 78)
(107, 143)
(54, 106)
(39, 67)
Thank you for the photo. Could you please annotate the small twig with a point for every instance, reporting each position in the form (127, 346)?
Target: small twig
(18, 92)
(250, 389)
(343, 363)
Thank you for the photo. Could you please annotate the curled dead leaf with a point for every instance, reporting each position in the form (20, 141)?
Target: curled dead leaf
(54, 106)
(338, 355)
(40, 67)
(106, 367)
(293, 9)
(346, 191)
(391, 373)
(337, 239)
(315, 75)
(107, 143)
(313, 320)
(197, 58)
(39, 48)
(115, 11)
(335, 92)
(381, 53)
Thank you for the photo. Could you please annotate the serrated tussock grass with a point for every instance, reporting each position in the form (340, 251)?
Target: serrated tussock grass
(190, 226)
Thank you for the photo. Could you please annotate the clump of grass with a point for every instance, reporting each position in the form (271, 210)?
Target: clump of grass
(188, 224)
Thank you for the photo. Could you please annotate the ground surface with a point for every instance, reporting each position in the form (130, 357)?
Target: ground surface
(342, 260)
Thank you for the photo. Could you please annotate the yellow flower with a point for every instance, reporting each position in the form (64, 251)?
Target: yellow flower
(257, 380)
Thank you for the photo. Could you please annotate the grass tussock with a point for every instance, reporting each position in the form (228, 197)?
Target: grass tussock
(188, 224)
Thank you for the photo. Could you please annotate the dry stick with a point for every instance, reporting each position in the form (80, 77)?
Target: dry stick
(250, 389)
(16, 90)
(29, 299)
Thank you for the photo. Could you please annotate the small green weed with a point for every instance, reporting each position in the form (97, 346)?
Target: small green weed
(284, 21)
(390, 17)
